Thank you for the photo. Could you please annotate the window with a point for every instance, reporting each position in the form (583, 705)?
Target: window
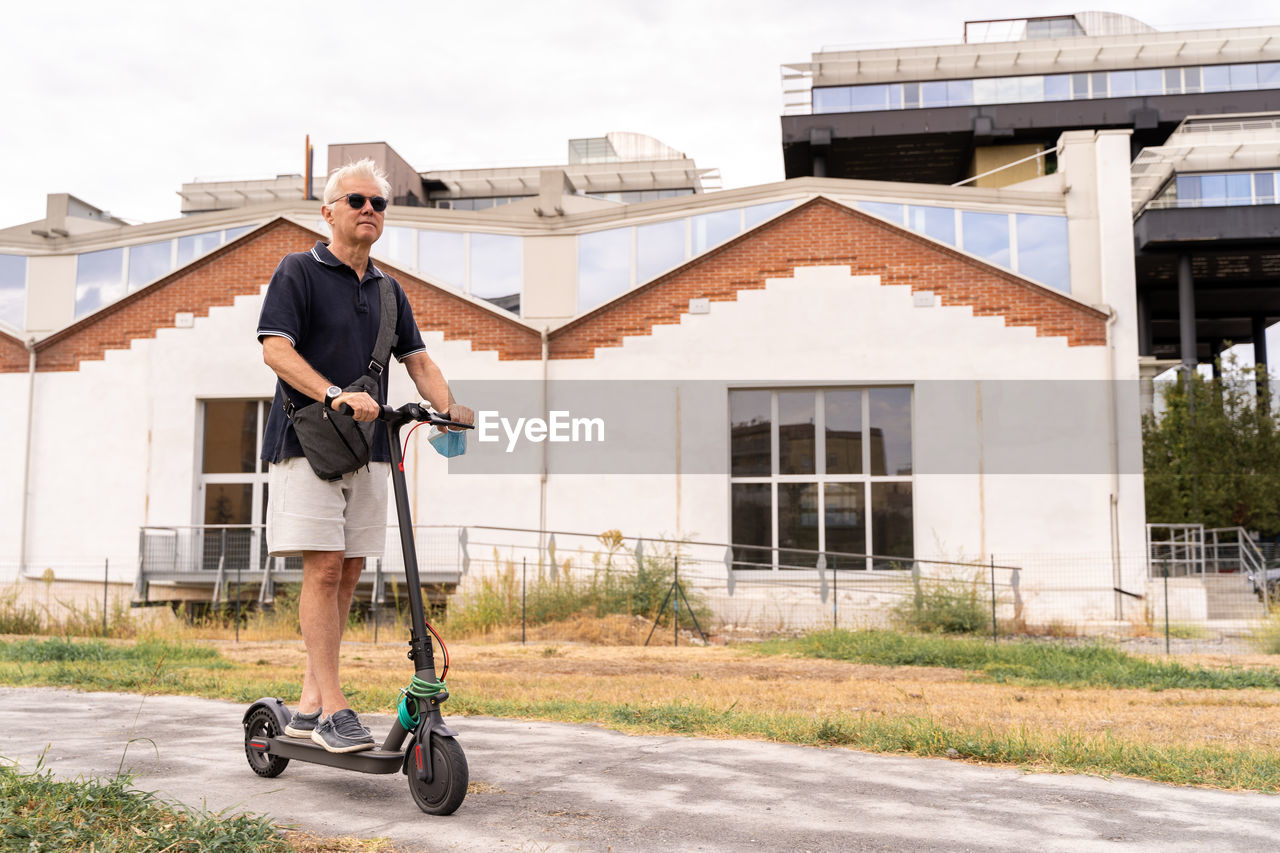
(604, 266)
(233, 483)
(1042, 250)
(442, 256)
(821, 472)
(987, 236)
(195, 245)
(99, 280)
(497, 269)
(149, 262)
(13, 290)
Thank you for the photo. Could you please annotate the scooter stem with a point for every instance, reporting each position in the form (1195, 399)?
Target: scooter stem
(420, 651)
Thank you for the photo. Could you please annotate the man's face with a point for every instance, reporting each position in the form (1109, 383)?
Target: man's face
(355, 226)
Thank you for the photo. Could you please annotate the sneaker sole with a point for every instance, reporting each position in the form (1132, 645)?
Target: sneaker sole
(355, 747)
(302, 733)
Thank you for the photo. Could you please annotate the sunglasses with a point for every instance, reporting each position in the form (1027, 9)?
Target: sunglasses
(356, 200)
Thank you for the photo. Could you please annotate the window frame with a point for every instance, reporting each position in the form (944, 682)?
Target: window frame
(821, 478)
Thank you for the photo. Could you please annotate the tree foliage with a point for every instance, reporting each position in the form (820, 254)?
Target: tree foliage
(1212, 456)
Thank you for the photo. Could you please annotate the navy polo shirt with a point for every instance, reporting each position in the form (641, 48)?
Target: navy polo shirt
(331, 318)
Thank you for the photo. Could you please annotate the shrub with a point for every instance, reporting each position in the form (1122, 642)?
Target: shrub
(946, 605)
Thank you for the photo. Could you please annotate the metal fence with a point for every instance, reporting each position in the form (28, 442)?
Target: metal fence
(518, 584)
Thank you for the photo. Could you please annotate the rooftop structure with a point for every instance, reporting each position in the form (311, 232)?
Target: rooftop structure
(620, 167)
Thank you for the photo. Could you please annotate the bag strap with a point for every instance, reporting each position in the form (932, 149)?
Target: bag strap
(386, 329)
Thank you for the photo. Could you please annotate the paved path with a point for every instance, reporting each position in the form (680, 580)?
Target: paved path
(557, 787)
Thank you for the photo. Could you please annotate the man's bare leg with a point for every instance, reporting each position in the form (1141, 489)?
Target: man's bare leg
(328, 584)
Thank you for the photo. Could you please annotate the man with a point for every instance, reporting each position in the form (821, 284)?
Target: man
(318, 327)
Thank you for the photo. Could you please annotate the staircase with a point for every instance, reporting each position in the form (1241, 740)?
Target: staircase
(1231, 596)
(1224, 559)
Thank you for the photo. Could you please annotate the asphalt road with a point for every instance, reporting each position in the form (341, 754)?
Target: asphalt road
(557, 787)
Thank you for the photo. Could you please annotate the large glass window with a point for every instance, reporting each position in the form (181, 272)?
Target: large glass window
(803, 482)
(712, 229)
(233, 483)
(13, 290)
(1042, 250)
(99, 280)
(149, 262)
(442, 257)
(497, 265)
(604, 266)
(987, 236)
(659, 247)
(611, 262)
(399, 246)
(194, 245)
(938, 223)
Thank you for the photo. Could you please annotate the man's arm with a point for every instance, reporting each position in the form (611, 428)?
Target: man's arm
(431, 384)
(280, 355)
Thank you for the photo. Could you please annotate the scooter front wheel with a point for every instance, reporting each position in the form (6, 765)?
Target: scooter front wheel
(262, 726)
(448, 785)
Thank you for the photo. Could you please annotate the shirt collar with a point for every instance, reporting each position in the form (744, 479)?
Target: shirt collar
(320, 251)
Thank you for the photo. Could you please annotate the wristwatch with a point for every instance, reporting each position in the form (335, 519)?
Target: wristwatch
(330, 395)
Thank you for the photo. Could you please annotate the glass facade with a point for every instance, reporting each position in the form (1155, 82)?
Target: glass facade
(1220, 189)
(803, 481)
(104, 276)
(612, 262)
(1036, 88)
(1032, 245)
(13, 290)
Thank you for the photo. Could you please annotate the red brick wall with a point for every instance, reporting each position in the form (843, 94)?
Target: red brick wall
(821, 232)
(818, 232)
(13, 355)
(241, 268)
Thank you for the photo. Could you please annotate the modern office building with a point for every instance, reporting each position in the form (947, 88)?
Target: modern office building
(1201, 108)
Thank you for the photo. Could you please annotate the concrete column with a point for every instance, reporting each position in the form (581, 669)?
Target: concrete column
(1144, 324)
(1186, 313)
(1260, 351)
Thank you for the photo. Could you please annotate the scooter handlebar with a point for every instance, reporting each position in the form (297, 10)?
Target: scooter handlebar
(411, 412)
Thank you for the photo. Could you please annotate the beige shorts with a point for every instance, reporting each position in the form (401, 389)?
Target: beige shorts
(305, 513)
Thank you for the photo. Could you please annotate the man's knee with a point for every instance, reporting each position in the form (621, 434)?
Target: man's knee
(322, 568)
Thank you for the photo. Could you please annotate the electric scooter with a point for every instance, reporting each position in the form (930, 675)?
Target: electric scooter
(432, 759)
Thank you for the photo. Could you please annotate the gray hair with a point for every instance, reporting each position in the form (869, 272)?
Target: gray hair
(365, 168)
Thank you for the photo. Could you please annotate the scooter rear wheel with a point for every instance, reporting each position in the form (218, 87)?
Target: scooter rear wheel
(448, 786)
(262, 725)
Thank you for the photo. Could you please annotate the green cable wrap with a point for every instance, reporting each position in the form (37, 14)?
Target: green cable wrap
(417, 691)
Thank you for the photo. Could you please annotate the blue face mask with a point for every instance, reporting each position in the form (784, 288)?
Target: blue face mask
(450, 444)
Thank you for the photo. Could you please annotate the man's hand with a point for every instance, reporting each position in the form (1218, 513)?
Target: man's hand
(461, 414)
(364, 407)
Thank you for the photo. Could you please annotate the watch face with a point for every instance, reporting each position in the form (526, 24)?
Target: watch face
(333, 391)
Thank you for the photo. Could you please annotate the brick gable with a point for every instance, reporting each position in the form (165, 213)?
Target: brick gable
(820, 233)
(13, 354)
(241, 268)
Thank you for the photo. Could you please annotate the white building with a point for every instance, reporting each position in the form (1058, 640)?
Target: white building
(817, 365)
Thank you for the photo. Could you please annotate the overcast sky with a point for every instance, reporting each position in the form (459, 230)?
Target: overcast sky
(119, 104)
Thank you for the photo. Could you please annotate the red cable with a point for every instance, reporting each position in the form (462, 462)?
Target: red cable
(443, 648)
(406, 444)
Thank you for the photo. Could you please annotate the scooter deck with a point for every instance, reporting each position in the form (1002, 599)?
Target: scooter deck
(374, 760)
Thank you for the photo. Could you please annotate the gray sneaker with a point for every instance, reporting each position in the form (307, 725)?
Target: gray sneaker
(342, 732)
(302, 725)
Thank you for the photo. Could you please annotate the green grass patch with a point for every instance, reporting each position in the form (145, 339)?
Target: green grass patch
(1019, 661)
(1254, 769)
(41, 813)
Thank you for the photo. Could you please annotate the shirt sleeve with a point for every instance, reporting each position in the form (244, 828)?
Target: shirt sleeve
(408, 338)
(284, 308)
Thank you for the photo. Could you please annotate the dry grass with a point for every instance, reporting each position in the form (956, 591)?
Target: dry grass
(723, 677)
